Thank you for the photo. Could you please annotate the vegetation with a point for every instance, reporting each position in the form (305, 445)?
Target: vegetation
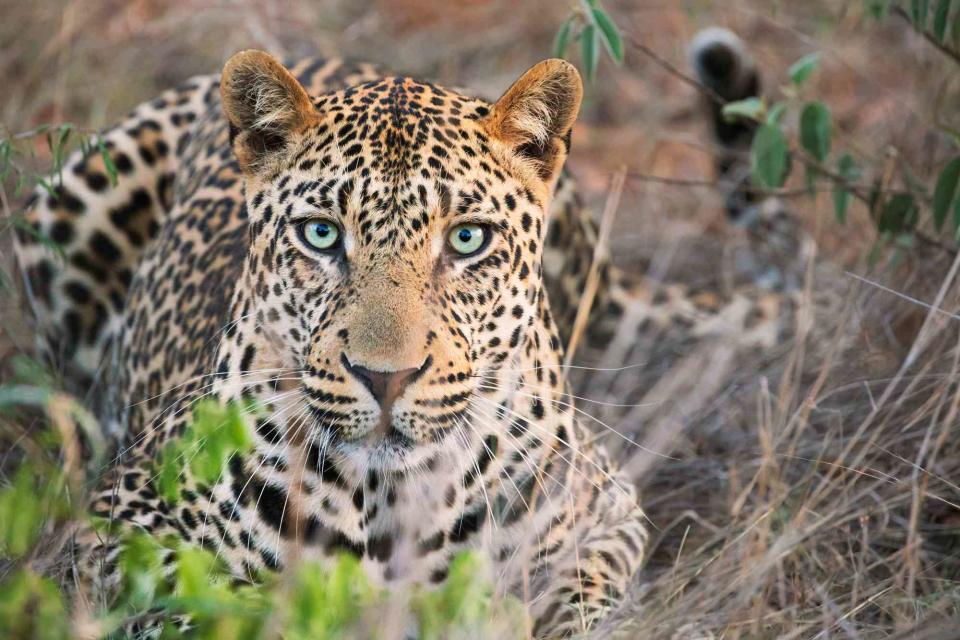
(811, 492)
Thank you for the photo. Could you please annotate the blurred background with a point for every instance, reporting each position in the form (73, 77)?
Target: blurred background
(869, 546)
(89, 62)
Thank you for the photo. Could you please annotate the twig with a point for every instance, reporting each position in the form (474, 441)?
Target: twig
(715, 97)
(593, 277)
(674, 71)
(856, 191)
(746, 187)
(947, 51)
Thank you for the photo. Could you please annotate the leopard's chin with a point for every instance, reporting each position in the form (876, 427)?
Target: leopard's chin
(390, 453)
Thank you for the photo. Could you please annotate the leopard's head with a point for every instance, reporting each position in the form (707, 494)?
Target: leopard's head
(396, 238)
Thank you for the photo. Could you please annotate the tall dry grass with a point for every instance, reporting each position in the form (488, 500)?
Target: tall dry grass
(808, 491)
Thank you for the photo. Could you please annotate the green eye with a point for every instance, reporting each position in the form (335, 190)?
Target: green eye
(468, 239)
(320, 234)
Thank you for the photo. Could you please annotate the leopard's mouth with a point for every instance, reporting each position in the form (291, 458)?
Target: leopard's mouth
(392, 452)
(386, 450)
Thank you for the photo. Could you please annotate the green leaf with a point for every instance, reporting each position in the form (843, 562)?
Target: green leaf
(33, 499)
(588, 51)
(899, 213)
(22, 183)
(955, 30)
(940, 20)
(956, 220)
(46, 186)
(168, 474)
(873, 256)
(815, 130)
(945, 192)
(751, 108)
(21, 223)
(194, 567)
(801, 70)
(849, 172)
(877, 8)
(810, 174)
(611, 34)
(563, 38)
(107, 162)
(463, 602)
(27, 371)
(58, 144)
(31, 606)
(918, 12)
(141, 567)
(768, 157)
(6, 149)
(873, 199)
(215, 433)
(775, 115)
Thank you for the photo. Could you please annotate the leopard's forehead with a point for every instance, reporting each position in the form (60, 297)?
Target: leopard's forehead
(401, 126)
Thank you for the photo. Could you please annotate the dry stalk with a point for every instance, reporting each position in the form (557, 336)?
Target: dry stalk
(593, 276)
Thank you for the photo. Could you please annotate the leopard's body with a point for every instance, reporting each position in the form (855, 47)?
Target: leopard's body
(189, 279)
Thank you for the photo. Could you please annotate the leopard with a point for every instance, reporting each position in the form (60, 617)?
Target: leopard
(390, 271)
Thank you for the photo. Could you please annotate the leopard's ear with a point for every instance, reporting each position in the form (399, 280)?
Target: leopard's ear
(265, 106)
(535, 115)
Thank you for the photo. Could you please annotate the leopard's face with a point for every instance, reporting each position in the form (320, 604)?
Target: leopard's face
(394, 262)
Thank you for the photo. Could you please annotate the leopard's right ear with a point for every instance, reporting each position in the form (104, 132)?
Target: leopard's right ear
(265, 106)
(535, 115)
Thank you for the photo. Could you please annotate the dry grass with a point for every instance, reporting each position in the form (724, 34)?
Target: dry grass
(807, 492)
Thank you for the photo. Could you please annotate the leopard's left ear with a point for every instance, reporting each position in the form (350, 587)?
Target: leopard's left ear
(265, 105)
(535, 115)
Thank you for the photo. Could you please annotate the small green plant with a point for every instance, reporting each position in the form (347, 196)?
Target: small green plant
(31, 606)
(216, 433)
(591, 26)
(165, 582)
(895, 210)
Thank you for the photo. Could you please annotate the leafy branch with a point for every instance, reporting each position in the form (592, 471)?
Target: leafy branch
(591, 26)
(932, 26)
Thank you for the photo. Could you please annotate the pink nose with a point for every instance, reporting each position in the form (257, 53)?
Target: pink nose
(384, 386)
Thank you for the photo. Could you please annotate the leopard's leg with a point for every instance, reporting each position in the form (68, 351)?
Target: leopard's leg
(124, 502)
(593, 576)
(81, 244)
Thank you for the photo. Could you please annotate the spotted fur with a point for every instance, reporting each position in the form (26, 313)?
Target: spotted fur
(190, 278)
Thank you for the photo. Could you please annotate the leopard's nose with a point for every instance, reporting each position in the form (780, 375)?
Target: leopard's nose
(385, 386)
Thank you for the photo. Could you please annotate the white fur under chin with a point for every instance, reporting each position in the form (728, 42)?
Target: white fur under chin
(360, 456)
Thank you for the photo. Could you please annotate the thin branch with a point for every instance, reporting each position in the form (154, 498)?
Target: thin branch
(674, 70)
(746, 187)
(856, 191)
(947, 51)
(593, 276)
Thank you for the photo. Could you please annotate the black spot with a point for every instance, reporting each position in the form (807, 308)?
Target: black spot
(122, 162)
(341, 543)
(466, 525)
(96, 181)
(432, 543)
(272, 506)
(380, 547)
(104, 247)
(61, 232)
(77, 292)
(248, 355)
